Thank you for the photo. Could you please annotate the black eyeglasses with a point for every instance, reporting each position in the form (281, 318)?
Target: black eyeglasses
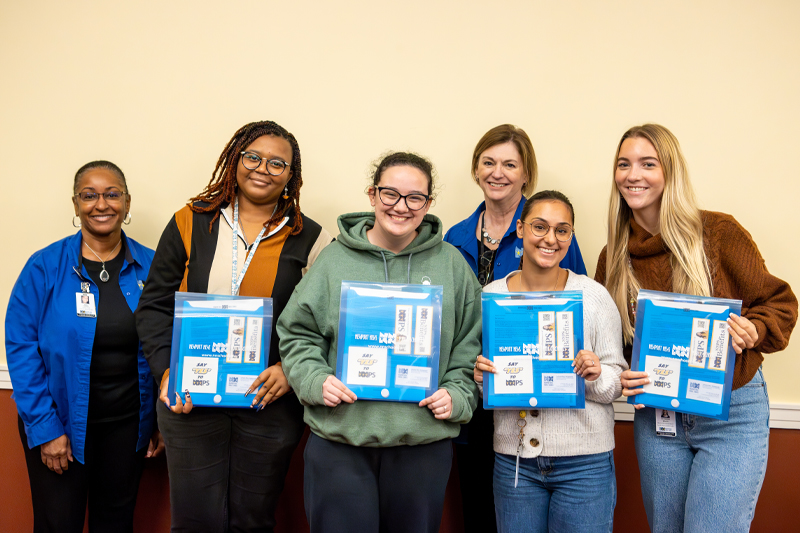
(539, 228)
(90, 197)
(414, 201)
(252, 161)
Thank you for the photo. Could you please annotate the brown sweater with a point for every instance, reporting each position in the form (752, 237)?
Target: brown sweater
(737, 271)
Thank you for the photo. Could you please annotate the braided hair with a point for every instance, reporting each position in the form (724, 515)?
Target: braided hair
(223, 187)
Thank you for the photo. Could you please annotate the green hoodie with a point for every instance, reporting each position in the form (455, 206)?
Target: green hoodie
(309, 325)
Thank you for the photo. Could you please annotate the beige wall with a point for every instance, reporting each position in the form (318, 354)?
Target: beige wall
(159, 88)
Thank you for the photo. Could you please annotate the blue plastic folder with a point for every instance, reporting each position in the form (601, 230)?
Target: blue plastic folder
(220, 344)
(389, 338)
(532, 338)
(682, 342)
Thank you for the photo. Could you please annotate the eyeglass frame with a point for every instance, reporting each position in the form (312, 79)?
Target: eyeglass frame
(549, 227)
(261, 160)
(403, 197)
(99, 194)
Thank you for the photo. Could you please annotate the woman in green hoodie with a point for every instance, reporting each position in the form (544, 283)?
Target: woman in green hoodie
(371, 465)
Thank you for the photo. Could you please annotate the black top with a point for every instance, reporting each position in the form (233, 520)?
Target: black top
(114, 372)
(485, 264)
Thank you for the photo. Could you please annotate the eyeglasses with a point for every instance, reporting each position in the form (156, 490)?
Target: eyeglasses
(563, 233)
(390, 197)
(275, 167)
(90, 197)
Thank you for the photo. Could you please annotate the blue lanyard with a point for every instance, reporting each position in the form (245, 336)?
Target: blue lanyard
(236, 282)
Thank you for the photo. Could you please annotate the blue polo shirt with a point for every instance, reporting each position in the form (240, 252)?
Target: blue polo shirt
(509, 252)
(49, 347)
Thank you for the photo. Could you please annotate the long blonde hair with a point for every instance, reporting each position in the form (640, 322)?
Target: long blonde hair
(680, 225)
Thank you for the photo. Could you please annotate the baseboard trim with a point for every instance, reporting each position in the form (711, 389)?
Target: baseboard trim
(781, 415)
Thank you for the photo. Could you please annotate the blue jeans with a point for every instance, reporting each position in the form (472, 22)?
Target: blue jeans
(706, 478)
(560, 494)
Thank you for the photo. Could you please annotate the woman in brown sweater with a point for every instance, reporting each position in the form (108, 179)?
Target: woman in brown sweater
(708, 477)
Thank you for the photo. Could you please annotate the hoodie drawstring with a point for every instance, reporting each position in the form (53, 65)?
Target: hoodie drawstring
(386, 269)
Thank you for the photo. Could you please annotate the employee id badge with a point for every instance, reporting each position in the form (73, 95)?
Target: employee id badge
(682, 342)
(532, 338)
(84, 304)
(220, 344)
(389, 338)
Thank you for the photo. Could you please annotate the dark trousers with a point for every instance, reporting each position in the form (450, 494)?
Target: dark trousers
(475, 459)
(109, 479)
(358, 489)
(227, 465)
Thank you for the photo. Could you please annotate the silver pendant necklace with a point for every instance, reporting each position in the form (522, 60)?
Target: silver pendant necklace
(103, 273)
(486, 233)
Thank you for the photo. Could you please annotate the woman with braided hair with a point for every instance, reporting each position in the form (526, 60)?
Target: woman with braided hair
(237, 458)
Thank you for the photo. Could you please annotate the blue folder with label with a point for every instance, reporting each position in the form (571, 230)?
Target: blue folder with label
(532, 338)
(682, 342)
(220, 344)
(389, 337)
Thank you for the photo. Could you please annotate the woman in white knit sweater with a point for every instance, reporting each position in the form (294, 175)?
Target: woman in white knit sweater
(565, 479)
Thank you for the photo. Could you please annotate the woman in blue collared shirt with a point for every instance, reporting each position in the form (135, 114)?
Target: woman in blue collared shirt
(504, 167)
(83, 389)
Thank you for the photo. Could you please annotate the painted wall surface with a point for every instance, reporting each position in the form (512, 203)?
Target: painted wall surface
(159, 88)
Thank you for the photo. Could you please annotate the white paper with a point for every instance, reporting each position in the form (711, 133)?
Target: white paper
(718, 357)
(423, 333)
(564, 348)
(704, 391)
(238, 384)
(547, 336)
(412, 376)
(235, 339)
(698, 343)
(560, 383)
(514, 374)
(200, 374)
(252, 351)
(402, 329)
(366, 366)
(244, 304)
(664, 373)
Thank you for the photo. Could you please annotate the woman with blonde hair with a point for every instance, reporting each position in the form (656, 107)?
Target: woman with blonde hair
(708, 477)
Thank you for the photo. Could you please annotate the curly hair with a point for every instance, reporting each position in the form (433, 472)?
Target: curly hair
(223, 186)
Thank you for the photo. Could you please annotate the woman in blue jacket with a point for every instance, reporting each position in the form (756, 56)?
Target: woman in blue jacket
(504, 167)
(83, 389)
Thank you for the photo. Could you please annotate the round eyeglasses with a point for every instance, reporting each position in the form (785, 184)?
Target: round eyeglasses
(390, 197)
(539, 228)
(252, 161)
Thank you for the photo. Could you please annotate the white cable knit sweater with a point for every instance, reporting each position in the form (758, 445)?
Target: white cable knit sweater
(562, 432)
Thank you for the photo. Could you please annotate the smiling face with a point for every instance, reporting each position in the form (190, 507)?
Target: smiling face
(258, 186)
(544, 252)
(500, 172)
(103, 217)
(639, 176)
(396, 226)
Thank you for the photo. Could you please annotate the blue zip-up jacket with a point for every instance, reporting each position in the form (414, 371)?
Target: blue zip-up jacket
(462, 236)
(49, 347)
